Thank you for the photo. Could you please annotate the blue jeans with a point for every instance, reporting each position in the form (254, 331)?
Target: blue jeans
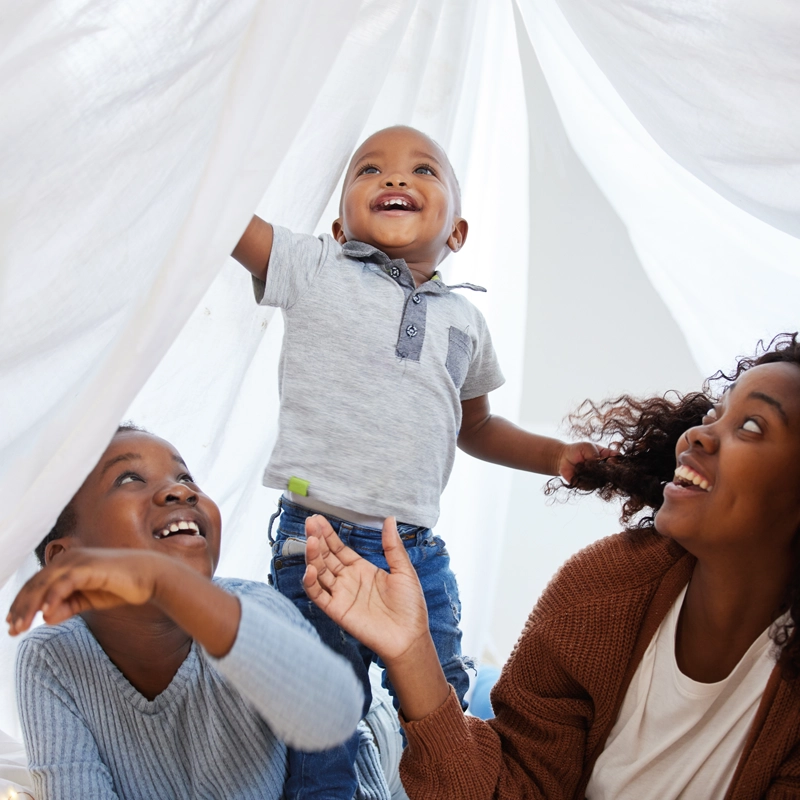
(330, 775)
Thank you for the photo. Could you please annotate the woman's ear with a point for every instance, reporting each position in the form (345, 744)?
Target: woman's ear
(338, 231)
(58, 547)
(458, 235)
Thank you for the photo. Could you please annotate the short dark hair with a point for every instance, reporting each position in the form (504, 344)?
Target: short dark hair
(68, 520)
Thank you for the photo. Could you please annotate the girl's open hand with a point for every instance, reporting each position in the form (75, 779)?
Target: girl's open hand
(383, 610)
(83, 579)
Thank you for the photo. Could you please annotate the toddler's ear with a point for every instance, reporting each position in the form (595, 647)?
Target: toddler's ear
(338, 231)
(458, 235)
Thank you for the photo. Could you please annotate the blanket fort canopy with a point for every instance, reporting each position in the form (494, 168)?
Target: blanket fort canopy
(136, 140)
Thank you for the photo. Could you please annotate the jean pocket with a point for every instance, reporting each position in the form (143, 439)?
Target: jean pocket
(288, 551)
(459, 355)
(439, 546)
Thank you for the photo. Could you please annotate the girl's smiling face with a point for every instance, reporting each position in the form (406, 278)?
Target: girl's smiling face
(141, 495)
(737, 483)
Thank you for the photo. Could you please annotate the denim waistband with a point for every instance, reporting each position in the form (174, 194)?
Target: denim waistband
(410, 534)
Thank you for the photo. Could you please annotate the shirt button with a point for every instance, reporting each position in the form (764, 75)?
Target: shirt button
(411, 330)
(416, 298)
(394, 272)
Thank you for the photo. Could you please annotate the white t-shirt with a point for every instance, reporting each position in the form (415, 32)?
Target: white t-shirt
(675, 737)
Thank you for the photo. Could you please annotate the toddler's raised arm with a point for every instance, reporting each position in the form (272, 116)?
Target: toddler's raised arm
(254, 248)
(493, 438)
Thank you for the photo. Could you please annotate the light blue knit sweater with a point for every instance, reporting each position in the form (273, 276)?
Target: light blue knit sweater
(219, 730)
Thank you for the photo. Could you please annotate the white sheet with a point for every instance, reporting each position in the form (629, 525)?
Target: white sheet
(143, 135)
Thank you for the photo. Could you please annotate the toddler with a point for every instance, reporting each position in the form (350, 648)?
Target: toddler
(384, 370)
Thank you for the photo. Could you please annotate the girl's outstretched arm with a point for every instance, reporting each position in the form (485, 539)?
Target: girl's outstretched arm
(103, 578)
(384, 611)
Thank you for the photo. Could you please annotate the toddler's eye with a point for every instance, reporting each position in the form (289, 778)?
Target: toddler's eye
(424, 169)
(186, 478)
(369, 169)
(751, 425)
(710, 416)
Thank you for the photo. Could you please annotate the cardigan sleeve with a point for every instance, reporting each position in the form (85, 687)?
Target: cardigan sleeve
(559, 692)
(534, 747)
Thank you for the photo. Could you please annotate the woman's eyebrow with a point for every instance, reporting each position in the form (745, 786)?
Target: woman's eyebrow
(124, 457)
(773, 402)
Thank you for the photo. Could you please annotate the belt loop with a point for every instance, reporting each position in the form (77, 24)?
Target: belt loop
(272, 520)
(345, 529)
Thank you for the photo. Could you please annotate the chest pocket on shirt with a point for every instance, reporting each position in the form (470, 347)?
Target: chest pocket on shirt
(459, 355)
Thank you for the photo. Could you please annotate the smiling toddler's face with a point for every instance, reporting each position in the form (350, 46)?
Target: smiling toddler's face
(141, 495)
(400, 196)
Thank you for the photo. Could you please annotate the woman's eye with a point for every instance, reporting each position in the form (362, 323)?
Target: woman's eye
(710, 416)
(128, 477)
(424, 170)
(186, 478)
(752, 426)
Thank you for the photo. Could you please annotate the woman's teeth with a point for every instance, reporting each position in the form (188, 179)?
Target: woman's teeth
(175, 527)
(396, 203)
(686, 475)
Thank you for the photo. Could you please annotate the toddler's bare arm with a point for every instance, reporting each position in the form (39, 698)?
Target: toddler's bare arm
(493, 438)
(254, 248)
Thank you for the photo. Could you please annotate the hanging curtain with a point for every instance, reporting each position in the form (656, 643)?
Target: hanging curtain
(685, 115)
(169, 128)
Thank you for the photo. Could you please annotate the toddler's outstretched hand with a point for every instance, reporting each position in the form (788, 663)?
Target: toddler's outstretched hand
(577, 453)
(383, 610)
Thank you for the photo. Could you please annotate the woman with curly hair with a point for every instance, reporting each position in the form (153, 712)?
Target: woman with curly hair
(661, 662)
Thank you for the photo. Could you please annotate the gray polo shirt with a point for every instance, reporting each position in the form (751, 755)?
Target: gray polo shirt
(371, 378)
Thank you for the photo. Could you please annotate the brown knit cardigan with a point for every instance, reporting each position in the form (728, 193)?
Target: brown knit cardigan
(560, 692)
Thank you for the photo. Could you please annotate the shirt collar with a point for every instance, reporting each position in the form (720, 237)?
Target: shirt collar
(398, 270)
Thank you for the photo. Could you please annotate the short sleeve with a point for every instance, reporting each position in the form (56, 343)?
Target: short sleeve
(484, 374)
(294, 262)
(63, 757)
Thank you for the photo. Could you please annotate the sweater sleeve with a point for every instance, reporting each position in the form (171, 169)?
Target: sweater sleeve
(63, 758)
(307, 694)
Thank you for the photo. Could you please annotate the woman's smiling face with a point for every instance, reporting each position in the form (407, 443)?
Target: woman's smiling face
(141, 495)
(737, 482)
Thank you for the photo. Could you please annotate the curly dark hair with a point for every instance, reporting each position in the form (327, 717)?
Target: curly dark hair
(646, 431)
(68, 520)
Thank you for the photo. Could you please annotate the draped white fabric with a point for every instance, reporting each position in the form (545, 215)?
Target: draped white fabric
(728, 277)
(144, 135)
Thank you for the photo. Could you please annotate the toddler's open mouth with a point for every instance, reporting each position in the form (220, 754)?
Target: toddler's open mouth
(395, 201)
